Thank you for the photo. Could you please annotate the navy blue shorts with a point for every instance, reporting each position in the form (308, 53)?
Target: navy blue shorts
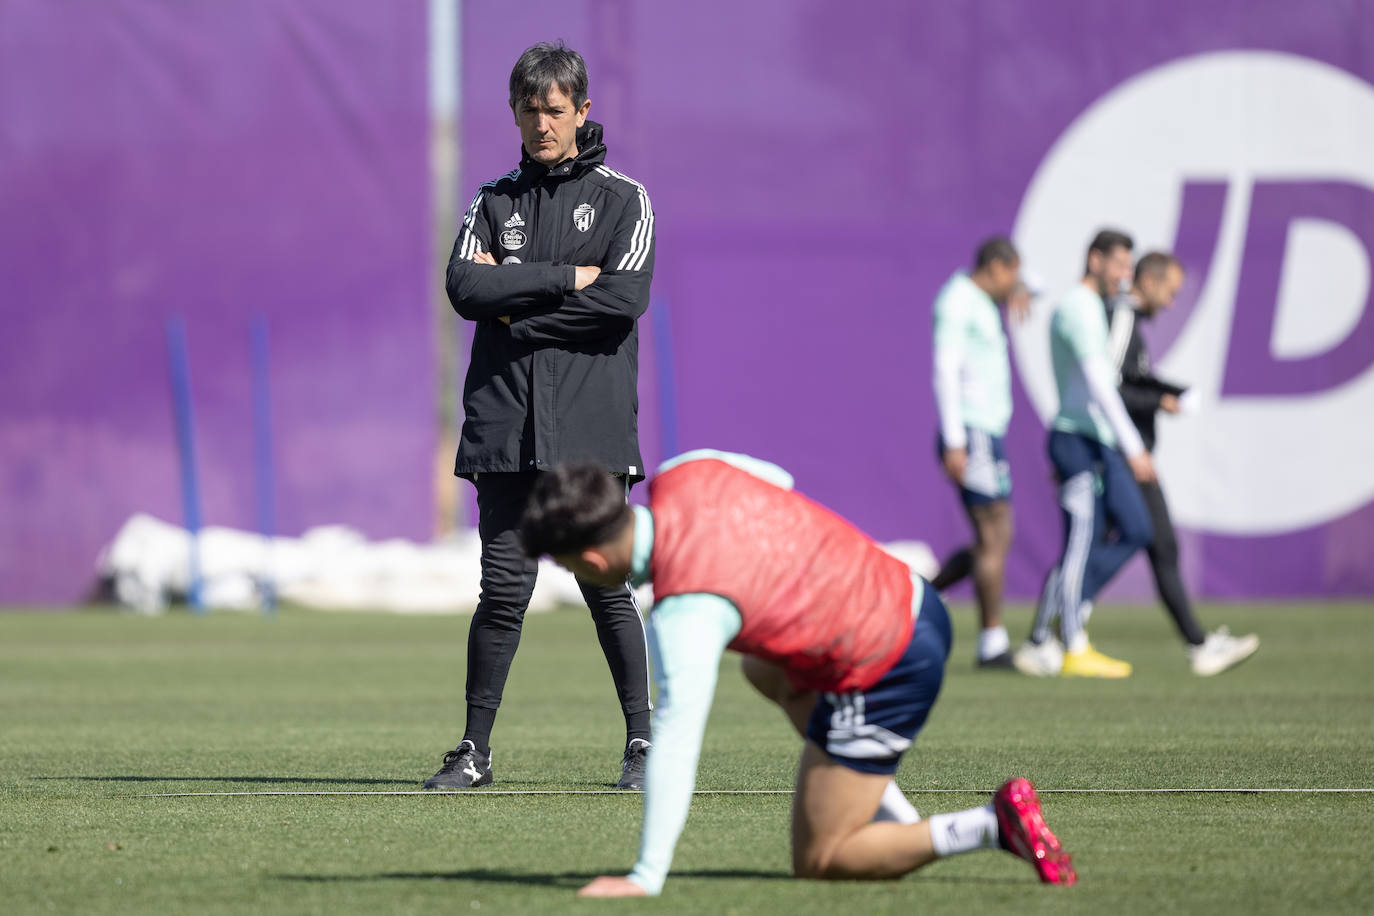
(987, 476)
(869, 730)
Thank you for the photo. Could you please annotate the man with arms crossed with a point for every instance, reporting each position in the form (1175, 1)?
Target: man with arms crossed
(842, 636)
(1096, 452)
(552, 265)
(1158, 277)
(973, 396)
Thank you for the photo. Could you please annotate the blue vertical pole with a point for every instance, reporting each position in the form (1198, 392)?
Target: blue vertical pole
(262, 461)
(186, 445)
(667, 379)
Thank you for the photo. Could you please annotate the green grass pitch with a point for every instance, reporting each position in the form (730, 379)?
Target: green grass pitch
(97, 708)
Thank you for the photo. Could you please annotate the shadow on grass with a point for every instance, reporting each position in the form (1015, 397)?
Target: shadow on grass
(926, 877)
(573, 880)
(568, 879)
(544, 785)
(272, 780)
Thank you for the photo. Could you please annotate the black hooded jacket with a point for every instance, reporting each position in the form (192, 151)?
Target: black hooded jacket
(559, 382)
(1141, 390)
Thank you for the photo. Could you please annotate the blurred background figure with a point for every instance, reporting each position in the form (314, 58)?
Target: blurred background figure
(1096, 452)
(1158, 277)
(973, 397)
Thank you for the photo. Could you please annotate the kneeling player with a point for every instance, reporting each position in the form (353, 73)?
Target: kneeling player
(740, 561)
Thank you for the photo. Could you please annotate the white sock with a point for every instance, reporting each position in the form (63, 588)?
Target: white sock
(893, 806)
(992, 642)
(1077, 642)
(964, 831)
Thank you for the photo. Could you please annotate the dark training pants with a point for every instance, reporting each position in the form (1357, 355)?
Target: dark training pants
(1101, 530)
(507, 582)
(1164, 564)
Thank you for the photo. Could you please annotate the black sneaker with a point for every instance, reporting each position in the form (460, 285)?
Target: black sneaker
(632, 764)
(464, 768)
(1002, 662)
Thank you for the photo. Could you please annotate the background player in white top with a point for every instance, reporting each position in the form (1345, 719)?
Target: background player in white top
(1096, 451)
(973, 395)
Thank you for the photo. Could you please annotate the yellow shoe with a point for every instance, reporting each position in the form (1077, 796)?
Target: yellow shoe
(1088, 662)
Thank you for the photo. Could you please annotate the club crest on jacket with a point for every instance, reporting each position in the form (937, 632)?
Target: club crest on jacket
(583, 214)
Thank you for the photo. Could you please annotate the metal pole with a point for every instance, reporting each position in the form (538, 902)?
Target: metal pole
(445, 103)
(262, 462)
(186, 445)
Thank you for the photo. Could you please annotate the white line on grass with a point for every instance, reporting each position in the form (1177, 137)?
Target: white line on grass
(481, 792)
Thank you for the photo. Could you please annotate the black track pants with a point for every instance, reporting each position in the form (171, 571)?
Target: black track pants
(507, 583)
(1164, 564)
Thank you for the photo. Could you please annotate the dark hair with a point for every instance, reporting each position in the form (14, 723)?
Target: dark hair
(573, 507)
(1108, 240)
(545, 65)
(1155, 264)
(997, 248)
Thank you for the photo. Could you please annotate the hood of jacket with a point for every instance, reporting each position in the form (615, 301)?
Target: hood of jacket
(591, 152)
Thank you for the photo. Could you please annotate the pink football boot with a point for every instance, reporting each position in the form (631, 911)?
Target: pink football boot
(1024, 832)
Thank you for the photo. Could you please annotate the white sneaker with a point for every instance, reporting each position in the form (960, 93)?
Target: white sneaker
(1043, 660)
(1220, 651)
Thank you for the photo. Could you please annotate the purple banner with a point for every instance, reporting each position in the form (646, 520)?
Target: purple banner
(818, 170)
(217, 161)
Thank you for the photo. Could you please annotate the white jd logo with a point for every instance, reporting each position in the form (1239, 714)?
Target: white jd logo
(1302, 135)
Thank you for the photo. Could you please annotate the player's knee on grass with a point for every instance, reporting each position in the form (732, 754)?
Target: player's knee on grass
(812, 854)
(815, 859)
(810, 866)
(832, 803)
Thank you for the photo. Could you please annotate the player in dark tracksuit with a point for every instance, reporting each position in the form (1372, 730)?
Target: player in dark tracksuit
(1157, 280)
(552, 266)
